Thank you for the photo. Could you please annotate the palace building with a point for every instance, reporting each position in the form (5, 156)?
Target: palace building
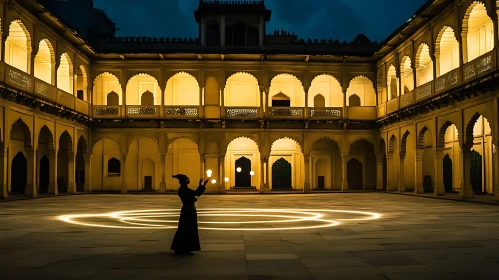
(84, 111)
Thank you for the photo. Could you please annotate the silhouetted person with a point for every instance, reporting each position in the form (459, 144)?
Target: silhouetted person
(186, 238)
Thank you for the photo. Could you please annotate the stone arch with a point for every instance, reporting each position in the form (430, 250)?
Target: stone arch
(382, 147)
(242, 89)
(65, 163)
(329, 87)
(406, 74)
(392, 82)
(469, 133)
(424, 65)
(188, 137)
(358, 139)
(420, 142)
(182, 89)
(280, 84)
(446, 51)
(238, 148)
(138, 84)
(45, 61)
(82, 165)
(81, 83)
(364, 88)
(133, 137)
(289, 138)
(112, 99)
(441, 135)
(392, 144)
(26, 133)
(46, 133)
(363, 151)
(65, 74)
(16, 30)
(470, 52)
(403, 143)
(98, 139)
(232, 139)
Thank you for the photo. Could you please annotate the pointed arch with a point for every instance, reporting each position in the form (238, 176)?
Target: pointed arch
(65, 74)
(104, 84)
(407, 75)
(45, 62)
(242, 89)
(446, 51)
(477, 31)
(363, 87)
(182, 89)
(290, 86)
(18, 46)
(139, 84)
(392, 83)
(81, 83)
(327, 86)
(424, 65)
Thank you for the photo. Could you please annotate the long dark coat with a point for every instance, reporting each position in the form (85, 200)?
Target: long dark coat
(187, 238)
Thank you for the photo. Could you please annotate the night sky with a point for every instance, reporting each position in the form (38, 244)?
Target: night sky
(331, 19)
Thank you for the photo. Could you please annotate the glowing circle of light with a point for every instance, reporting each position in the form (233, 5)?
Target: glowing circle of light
(239, 169)
(226, 179)
(252, 173)
(209, 172)
(168, 218)
(213, 181)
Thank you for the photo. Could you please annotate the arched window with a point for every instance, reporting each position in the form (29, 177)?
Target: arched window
(447, 51)
(329, 88)
(392, 83)
(113, 99)
(242, 89)
(65, 74)
(113, 167)
(147, 98)
(104, 84)
(44, 61)
(138, 85)
(182, 89)
(18, 46)
(281, 100)
(407, 75)
(213, 34)
(478, 31)
(424, 65)
(354, 100)
(81, 83)
(319, 101)
(364, 89)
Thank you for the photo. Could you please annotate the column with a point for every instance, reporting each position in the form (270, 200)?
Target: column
(123, 101)
(201, 103)
(308, 162)
(466, 190)
(3, 175)
(344, 172)
(266, 101)
(390, 184)
(88, 174)
(401, 174)
(222, 102)
(162, 185)
(53, 173)
(122, 173)
(71, 174)
(305, 113)
(201, 165)
(439, 188)
(265, 186)
(262, 96)
(379, 172)
(31, 189)
(418, 182)
(222, 174)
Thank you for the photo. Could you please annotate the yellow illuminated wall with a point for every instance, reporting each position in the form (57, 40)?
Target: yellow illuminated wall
(482, 143)
(329, 88)
(290, 86)
(183, 158)
(480, 39)
(289, 150)
(242, 90)
(242, 147)
(102, 152)
(182, 89)
(103, 85)
(140, 84)
(453, 150)
(326, 162)
(362, 87)
(448, 58)
(143, 159)
(17, 52)
(65, 74)
(44, 61)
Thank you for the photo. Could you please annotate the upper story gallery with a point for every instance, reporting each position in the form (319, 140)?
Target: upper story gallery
(81, 108)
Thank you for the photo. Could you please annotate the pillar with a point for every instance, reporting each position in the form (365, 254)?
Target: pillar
(265, 185)
(122, 173)
(88, 174)
(201, 103)
(262, 109)
(495, 169)
(401, 174)
(202, 173)
(418, 182)
(162, 185)
(222, 174)
(123, 101)
(53, 173)
(439, 188)
(306, 113)
(390, 176)
(31, 188)
(222, 102)
(344, 172)
(308, 174)
(379, 172)
(71, 174)
(466, 190)
(3, 174)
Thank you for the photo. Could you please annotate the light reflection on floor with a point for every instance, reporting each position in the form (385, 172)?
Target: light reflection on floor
(224, 219)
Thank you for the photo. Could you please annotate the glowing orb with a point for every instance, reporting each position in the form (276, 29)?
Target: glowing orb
(208, 173)
(239, 169)
(213, 181)
(252, 173)
(224, 219)
(226, 179)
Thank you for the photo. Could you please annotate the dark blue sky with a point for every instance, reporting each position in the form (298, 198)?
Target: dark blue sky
(335, 19)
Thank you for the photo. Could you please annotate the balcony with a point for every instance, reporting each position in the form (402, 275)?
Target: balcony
(45, 90)
(142, 111)
(407, 99)
(181, 112)
(479, 66)
(392, 105)
(106, 112)
(381, 110)
(66, 99)
(447, 81)
(424, 91)
(285, 113)
(18, 79)
(242, 112)
(362, 113)
(326, 113)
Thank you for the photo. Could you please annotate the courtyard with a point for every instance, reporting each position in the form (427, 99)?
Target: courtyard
(318, 236)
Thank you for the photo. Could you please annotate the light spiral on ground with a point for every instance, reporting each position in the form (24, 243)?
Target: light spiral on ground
(224, 219)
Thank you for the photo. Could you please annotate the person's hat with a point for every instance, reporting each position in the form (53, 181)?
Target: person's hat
(180, 176)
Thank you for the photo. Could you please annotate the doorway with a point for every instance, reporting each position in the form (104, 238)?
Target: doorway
(44, 175)
(321, 182)
(148, 183)
(19, 174)
(476, 171)
(243, 175)
(354, 175)
(448, 174)
(281, 174)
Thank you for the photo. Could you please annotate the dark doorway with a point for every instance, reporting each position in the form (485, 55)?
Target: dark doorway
(147, 99)
(281, 174)
(476, 171)
(321, 184)
(213, 34)
(113, 99)
(281, 103)
(148, 183)
(79, 94)
(354, 100)
(19, 174)
(319, 101)
(80, 173)
(448, 174)
(385, 174)
(243, 178)
(44, 175)
(354, 175)
(235, 35)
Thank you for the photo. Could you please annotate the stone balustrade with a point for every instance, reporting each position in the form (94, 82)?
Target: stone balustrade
(182, 112)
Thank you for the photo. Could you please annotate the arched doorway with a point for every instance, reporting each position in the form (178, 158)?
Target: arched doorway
(19, 173)
(243, 175)
(81, 152)
(448, 173)
(476, 171)
(44, 175)
(281, 174)
(63, 162)
(355, 175)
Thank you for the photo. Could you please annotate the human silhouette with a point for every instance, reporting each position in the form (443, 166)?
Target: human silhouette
(186, 238)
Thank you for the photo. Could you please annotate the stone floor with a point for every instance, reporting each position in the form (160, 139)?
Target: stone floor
(415, 238)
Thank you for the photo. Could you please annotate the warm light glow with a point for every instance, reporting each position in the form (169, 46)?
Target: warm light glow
(209, 172)
(213, 181)
(239, 169)
(290, 219)
(226, 179)
(252, 173)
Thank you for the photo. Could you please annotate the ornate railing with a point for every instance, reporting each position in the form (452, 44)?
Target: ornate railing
(189, 112)
(326, 113)
(392, 106)
(106, 112)
(45, 90)
(479, 66)
(82, 106)
(290, 112)
(407, 99)
(65, 99)
(17, 78)
(242, 112)
(423, 91)
(447, 81)
(142, 111)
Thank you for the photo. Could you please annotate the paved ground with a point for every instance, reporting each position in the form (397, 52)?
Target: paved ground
(416, 238)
